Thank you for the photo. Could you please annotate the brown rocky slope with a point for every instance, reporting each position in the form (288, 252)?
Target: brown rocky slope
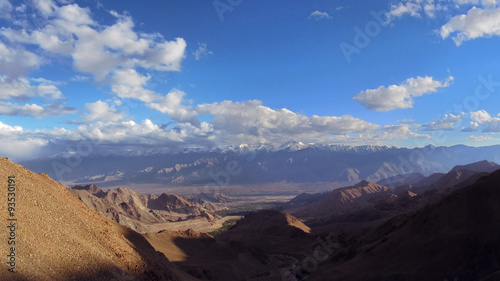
(140, 212)
(60, 238)
(453, 239)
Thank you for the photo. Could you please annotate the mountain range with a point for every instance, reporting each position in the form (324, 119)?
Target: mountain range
(441, 227)
(291, 163)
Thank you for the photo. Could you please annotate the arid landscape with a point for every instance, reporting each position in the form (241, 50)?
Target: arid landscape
(415, 227)
(243, 140)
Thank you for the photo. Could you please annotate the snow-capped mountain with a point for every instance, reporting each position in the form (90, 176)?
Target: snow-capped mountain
(293, 161)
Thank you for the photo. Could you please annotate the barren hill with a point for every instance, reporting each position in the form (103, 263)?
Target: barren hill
(453, 239)
(209, 258)
(57, 237)
(481, 166)
(272, 231)
(342, 200)
(139, 211)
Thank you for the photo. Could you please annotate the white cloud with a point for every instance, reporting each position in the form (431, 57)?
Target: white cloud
(50, 91)
(127, 83)
(491, 124)
(5, 9)
(126, 133)
(447, 124)
(202, 51)
(490, 3)
(400, 96)
(15, 62)
(108, 53)
(21, 88)
(45, 7)
(21, 8)
(481, 116)
(480, 138)
(430, 10)
(173, 105)
(251, 122)
(476, 23)
(402, 131)
(256, 123)
(34, 110)
(79, 78)
(473, 126)
(406, 121)
(402, 9)
(232, 122)
(16, 145)
(318, 15)
(102, 111)
(7, 129)
(434, 8)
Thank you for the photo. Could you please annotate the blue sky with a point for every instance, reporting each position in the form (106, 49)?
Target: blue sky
(126, 75)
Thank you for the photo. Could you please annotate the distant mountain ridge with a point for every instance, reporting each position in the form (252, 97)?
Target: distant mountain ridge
(293, 162)
(372, 200)
(416, 179)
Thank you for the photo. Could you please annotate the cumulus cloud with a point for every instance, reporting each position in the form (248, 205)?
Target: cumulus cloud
(232, 122)
(247, 122)
(400, 96)
(34, 110)
(432, 8)
(480, 138)
(473, 126)
(481, 116)
(102, 111)
(16, 145)
(15, 62)
(173, 104)
(22, 88)
(5, 9)
(202, 51)
(491, 124)
(475, 24)
(446, 124)
(402, 9)
(401, 131)
(127, 83)
(318, 15)
(110, 54)
(253, 121)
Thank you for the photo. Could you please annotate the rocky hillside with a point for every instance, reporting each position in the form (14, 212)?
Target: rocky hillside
(139, 211)
(57, 237)
(342, 200)
(453, 239)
